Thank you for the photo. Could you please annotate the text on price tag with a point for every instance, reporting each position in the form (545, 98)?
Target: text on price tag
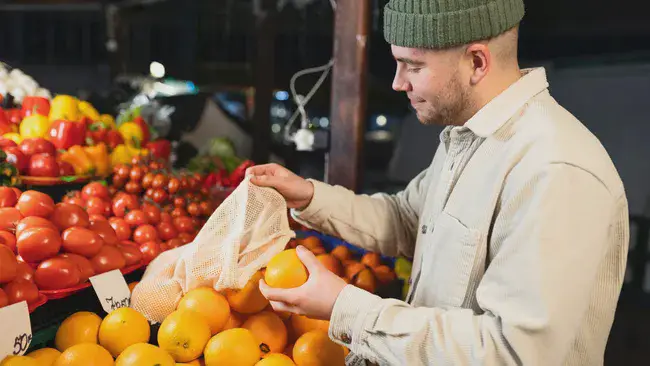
(16, 334)
(112, 290)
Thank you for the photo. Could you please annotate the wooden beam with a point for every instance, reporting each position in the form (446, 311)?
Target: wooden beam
(348, 102)
(264, 70)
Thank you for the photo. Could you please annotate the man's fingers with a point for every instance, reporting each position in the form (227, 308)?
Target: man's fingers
(265, 169)
(289, 296)
(308, 259)
(280, 306)
(267, 181)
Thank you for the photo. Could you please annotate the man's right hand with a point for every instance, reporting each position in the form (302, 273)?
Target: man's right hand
(296, 190)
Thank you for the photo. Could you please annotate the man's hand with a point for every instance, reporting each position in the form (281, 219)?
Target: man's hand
(315, 298)
(296, 190)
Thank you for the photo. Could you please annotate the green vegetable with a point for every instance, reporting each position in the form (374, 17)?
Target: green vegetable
(221, 147)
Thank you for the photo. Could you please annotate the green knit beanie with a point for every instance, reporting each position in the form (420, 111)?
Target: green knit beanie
(440, 24)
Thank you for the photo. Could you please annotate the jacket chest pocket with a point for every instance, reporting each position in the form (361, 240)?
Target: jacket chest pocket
(452, 264)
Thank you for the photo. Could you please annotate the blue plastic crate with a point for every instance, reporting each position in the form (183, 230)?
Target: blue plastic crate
(330, 242)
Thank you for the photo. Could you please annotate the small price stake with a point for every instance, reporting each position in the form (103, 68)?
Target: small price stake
(112, 290)
(16, 334)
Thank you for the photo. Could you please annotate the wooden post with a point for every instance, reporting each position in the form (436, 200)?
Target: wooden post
(348, 101)
(264, 68)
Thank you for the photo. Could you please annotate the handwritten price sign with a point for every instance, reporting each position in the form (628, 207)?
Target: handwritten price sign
(112, 290)
(16, 334)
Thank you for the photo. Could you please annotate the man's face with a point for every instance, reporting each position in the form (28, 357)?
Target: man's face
(433, 82)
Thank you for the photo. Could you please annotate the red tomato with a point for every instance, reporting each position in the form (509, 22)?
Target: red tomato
(17, 159)
(8, 239)
(150, 250)
(159, 181)
(159, 196)
(108, 259)
(76, 201)
(85, 268)
(136, 174)
(82, 241)
(7, 197)
(129, 242)
(32, 222)
(9, 218)
(5, 142)
(96, 217)
(124, 203)
(4, 300)
(17, 191)
(57, 273)
(122, 229)
(105, 231)
(152, 212)
(21, 290)
(95, 189)
(184, 224)
(132, 254)
(167, 231)
(43, 165)
(67, 215)
(133, 187)
(166, 217)
(147, 180)
(173, 186)
(35, 146)
(185, 238)
(8, 264)
(33, 203)
(96, 206)
(179, 202)
(24, 271)
(118, 182)
(174, 243)
(206, 208)
(178, 212)
(194, 209)
(65, 169)
(136, 218)
(144, 234)
(37, 244)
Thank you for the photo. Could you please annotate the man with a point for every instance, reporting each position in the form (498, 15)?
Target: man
(518, 229)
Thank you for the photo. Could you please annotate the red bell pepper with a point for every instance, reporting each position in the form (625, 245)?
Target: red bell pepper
(37, 105)
(96, 133)
(15, 115)
(113, 139)
(160, 148)
(146, 135)
(238, 174)
(64, 134)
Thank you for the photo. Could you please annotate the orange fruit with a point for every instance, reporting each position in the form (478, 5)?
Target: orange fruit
(276, 359)
(342, 253)
(80, 327)
(183, 334)
(285, 270)
(248, 300)
(233, 347)
(365, 280)
(384, 274)
(198, 362)
(301, 324)
(316, 349)
(318, 251)
(85, 354)
(143, 354)
(44, 356)
(269, 330)
(288, 350)
(132, 285)
(210, 304)
(235, 320)
(331, 263)
(122, 328)
(346, 351)
(310, 242)
(353, 269)
(19, 361)
(371, 260)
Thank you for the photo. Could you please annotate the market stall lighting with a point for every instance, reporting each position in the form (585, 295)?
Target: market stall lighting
(381, 120)
(282, 95)
(157, 70)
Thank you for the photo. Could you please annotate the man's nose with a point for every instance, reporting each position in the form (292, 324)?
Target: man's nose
(399, 84)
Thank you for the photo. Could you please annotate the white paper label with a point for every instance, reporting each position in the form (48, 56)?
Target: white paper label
(16, 334)
(112, 290)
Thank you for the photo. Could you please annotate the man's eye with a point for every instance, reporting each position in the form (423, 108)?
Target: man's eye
(413, 70)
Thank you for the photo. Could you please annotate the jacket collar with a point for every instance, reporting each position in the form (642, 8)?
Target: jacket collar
(499, 110)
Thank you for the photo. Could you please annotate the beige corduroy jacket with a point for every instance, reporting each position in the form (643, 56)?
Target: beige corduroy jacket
(519, 232)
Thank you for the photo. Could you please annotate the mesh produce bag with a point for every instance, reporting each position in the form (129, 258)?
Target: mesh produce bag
(240, 237)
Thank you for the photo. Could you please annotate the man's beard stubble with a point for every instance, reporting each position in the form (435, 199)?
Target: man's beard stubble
(452, 106)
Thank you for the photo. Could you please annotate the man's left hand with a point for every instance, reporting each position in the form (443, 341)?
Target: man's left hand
(315, 298)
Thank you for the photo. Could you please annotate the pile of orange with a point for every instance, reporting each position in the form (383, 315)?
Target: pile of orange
(236, 327)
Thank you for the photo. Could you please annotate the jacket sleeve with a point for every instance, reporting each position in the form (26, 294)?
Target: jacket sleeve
(549, 241)
(381, 223)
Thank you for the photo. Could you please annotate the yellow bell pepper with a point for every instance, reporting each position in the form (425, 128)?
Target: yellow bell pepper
(100, 158)
(131, 133)
(34, 126)
(15, 137)
(108, 120)
(88, 110)
(65, 107)
(79, 160)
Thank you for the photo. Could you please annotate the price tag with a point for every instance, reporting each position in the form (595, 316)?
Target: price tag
(16, 334)
(112, 290)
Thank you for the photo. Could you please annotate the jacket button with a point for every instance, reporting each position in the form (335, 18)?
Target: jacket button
(346, 338)
(424, 229)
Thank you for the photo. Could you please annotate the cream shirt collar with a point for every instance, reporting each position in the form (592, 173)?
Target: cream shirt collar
(499, 110)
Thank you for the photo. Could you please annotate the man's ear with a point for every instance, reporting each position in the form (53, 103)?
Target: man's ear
(480, 60)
